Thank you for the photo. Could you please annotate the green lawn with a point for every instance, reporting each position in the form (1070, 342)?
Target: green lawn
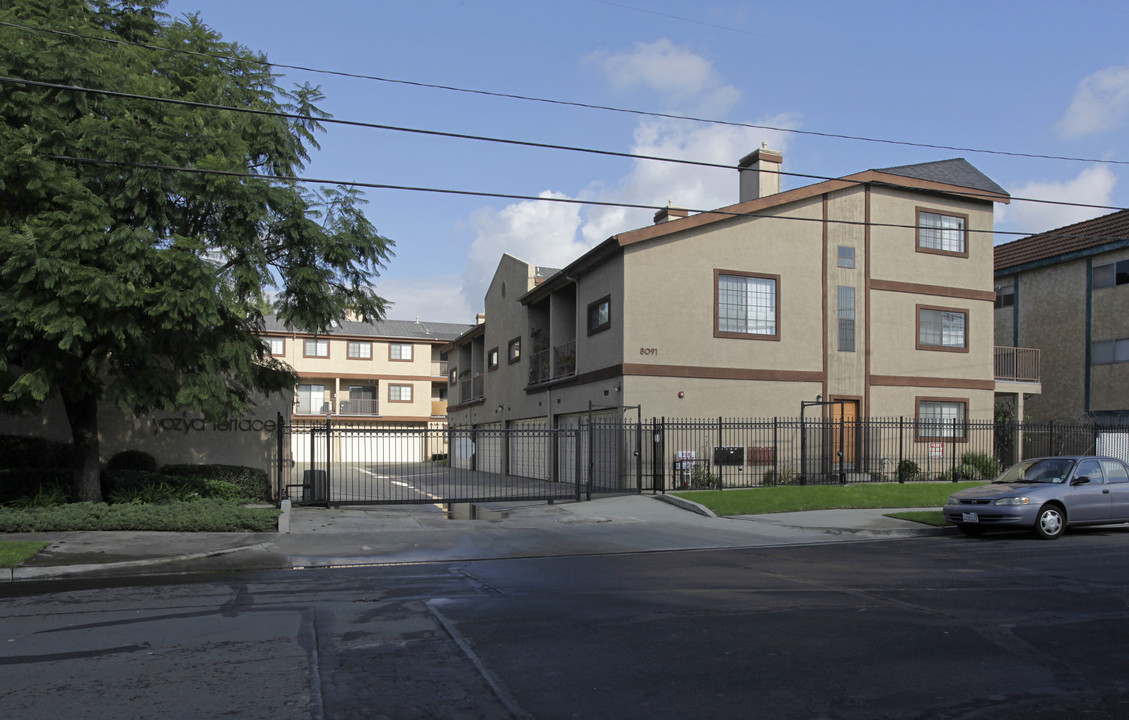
(925, 517)
(14, 552)
(794, 498)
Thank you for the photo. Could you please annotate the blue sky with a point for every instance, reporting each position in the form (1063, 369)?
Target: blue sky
(1047, 78)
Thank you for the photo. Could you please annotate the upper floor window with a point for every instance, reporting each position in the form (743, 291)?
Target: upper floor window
(1111, 274)
(942, 329)
(275, 345)
(745, 305)
(513, 351)
(846, 256)
(399, 393)
(1005, 293)
(492, 359)
(600, 315)
(400, 351)
(939, 418)
(359, 350)
(846, 319)
(942, 233)
(1107, 352)
(316, 348)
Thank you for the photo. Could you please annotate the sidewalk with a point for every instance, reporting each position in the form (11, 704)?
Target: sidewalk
(319, 537)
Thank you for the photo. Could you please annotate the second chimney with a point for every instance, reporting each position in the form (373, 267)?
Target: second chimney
(670, 213)
(760, 173)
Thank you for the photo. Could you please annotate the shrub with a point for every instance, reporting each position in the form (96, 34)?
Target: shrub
(138, 487)
(984, 466)
(132, 460)
(17, 452)
(253, 482)
(17, 484)
(206, 515)
(908, 471)
(50, 494)
(702, 479)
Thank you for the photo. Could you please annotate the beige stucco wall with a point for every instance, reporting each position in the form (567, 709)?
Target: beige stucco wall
(669, 287)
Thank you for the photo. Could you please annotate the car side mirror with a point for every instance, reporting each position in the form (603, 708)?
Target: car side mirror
(1080, 480)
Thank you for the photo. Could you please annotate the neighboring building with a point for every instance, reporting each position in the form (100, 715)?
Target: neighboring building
(874, 291)
(1066, 292)
(382, 374)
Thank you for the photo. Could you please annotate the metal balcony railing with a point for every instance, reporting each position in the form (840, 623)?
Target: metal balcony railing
(1017, 364)
(363, 406)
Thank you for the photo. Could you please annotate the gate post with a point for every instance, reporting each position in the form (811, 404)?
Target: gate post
(576, 452)
(658, 472)
(279, 472)
(328, 459)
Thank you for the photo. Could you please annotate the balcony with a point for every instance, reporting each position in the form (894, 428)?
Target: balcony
(553, 364)
(439, 369)
(472, 389)
(360, 407)
(1013, 364)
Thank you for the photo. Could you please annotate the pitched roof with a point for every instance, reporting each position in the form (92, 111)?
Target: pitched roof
(1099, 232)
(956, 171)
(396, 329)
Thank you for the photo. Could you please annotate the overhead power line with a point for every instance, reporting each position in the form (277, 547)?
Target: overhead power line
(481, 138)
(573, 103)
(512, 196)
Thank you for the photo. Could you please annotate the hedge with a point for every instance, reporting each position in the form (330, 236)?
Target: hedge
(207, 515)
(254, 482)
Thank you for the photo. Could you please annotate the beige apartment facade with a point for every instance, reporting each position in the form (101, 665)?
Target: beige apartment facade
(874, 291)
(384, 374)
(1065, 292)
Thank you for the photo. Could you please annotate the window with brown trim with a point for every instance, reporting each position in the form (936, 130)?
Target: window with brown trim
(600, 315)
(942, 419)
(746, 305)
(513, 350)
(942, 233)
(315, 348)
(400, 393)
(360, 350)
(492, 359)
(400, 352)
(940, 328)
(276, 346)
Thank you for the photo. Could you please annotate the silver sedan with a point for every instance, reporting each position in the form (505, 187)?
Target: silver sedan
(1047, 495)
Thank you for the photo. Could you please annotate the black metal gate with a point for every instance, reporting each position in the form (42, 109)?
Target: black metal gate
(331, 464)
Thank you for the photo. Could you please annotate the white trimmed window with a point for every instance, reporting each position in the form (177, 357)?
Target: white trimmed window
(400, 351)
(746, 306)
(316, 348)
(942, 233)
(399, 393)
(941, 419)
(940, 328)
(275, 345)
(359, 350)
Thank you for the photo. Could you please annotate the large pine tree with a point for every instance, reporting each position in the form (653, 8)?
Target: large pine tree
(124, 283)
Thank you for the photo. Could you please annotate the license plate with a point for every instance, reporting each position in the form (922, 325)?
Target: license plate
(970, 517)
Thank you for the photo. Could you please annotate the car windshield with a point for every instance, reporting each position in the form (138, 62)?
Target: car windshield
(1053, 470)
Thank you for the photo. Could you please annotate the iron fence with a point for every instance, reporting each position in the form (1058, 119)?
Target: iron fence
(322, 463)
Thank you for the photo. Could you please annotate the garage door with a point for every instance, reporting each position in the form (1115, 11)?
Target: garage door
(488, 447)
(531, 449)
(380, 446)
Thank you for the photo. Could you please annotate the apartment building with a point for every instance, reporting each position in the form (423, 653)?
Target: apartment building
(1065, 292)
(874, 292)
(384, 374)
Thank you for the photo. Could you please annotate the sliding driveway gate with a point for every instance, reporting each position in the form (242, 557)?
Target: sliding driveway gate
(330, 464)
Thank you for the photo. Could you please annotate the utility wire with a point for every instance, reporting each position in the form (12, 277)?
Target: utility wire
(572, 103)
(511, 196)
(505, 141)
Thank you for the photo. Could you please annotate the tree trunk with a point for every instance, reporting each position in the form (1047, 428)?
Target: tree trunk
(82, 414)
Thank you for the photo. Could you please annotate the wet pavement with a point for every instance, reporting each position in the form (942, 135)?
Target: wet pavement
(313, 536)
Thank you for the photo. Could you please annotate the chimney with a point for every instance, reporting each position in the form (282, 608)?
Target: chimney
(480, 318)
(670, 213)
(759, 173)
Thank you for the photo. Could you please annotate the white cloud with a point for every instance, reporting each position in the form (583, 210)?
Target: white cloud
(675, 74)
(1094, 186)
(553, 235)
(1100, 103)
(431, 299)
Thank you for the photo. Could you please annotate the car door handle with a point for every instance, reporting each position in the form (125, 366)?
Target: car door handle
(1105, 492)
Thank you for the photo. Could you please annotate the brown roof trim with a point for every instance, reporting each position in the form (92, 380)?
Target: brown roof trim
(901, 182)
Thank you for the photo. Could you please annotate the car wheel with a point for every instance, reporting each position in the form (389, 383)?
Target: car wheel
(1050, 522)
(971, 530)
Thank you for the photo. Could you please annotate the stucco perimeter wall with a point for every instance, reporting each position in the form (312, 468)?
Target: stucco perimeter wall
(172, 438)
(1052, 317)
(669, 286)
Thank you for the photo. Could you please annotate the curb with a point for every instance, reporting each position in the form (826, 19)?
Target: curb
(686, 505)
(18, 573)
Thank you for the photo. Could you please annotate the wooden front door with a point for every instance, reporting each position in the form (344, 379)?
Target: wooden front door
(844, 416)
